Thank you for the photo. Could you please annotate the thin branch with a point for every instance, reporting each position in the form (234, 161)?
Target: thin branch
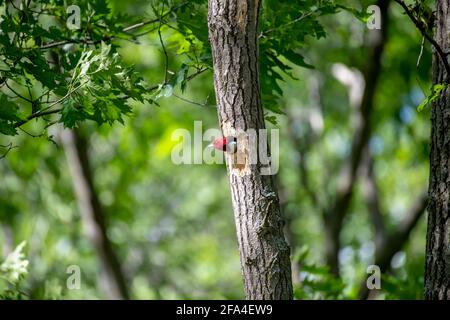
(421, 52)
(302, 148)
(47, 112)
(430, 39)
(17, 94)
(205, 104)
(22, 16)
(9, 148)
(372, 197)
(195, 74)
(107, 38)
(409, 222)
(141, 24)
(296, 20)
(56, 44)
(37, 115)
(54, 103)
(192, 76)
(166, 56)
(395, 240)
(145, 32)
(387, 244)
(30, 94)
(31, 134)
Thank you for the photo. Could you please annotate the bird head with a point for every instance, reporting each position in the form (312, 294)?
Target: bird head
(227, 144)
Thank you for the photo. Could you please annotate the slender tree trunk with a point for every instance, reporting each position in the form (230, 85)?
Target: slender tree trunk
(437, 268)
(335, 215)
(92, 214)
(387, 243)
(265, 261)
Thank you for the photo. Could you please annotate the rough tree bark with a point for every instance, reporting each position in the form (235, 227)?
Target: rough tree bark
(264, 253)
(92, 214)
(437, 265)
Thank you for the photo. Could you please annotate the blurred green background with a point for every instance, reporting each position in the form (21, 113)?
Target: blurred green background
(171, 226)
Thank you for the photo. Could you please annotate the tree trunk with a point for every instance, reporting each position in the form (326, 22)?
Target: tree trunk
(264, 253)
(387, 243)
(92, 214)
(335, 215)
(437, 268)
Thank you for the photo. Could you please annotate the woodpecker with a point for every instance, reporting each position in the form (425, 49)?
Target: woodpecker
(226, 144)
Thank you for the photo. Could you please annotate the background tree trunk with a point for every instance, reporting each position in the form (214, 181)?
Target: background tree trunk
(335, 215)
(264, 253)
(92, 214)
(387, 243)
(437, 268)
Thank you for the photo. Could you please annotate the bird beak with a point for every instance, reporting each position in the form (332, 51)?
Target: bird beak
(211, 145)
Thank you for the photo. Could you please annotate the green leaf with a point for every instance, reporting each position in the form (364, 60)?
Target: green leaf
(180, 78)
(297, 59)
(272, 119)
(435, 94)
(71, 115)
(165, 91)
(363, 16)
(7, 128)
(8, 109)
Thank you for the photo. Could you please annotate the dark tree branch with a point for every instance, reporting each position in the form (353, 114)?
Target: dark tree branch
(334, 217)
(17, 94)
(166, 56)
(37, 115)
(204, 104)
(47, 112)
(370, 192)
(92, 213)
(387, 244)
(8, 147)
(109, 38)
(430, 39)
(302, 146)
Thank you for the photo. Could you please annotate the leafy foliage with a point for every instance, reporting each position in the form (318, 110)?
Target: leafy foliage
(81, 73)
(49, 68)
(434, 95)
(285, 29)
(317, 282)
(175, 220)
(12, 271)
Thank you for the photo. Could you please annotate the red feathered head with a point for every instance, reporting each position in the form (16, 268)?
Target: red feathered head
(228, 144)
